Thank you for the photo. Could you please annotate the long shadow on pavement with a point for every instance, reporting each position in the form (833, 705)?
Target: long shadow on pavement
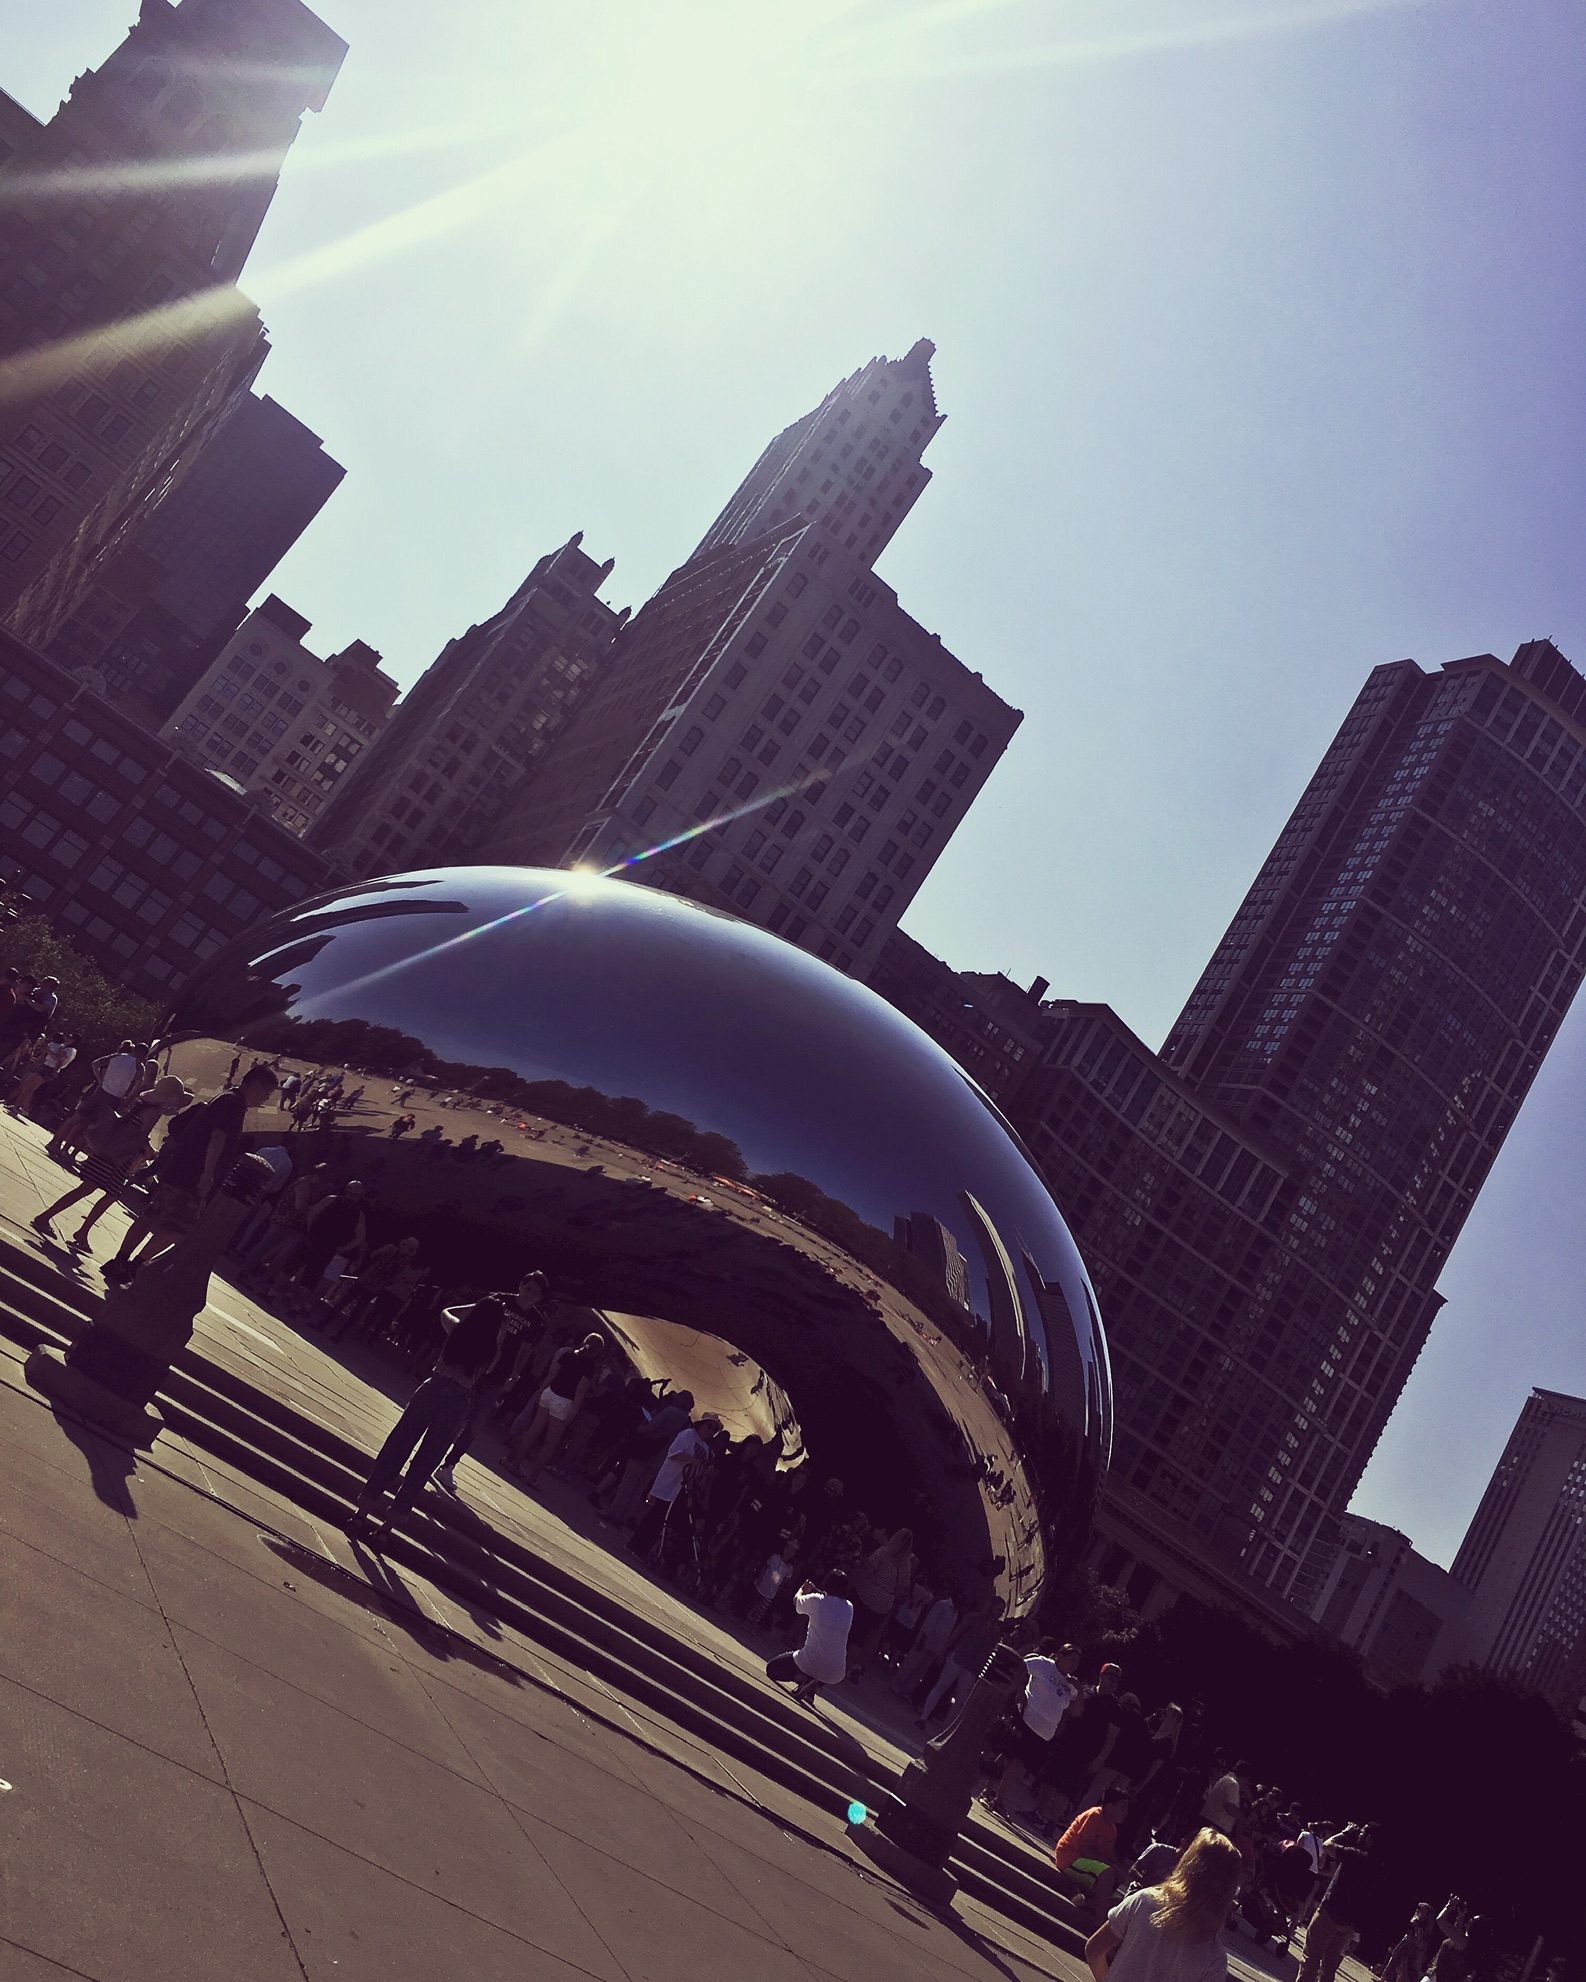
(110, 1465)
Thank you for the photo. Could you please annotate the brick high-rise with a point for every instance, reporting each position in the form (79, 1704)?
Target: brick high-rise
(772, 719)
(463, 739)
(124, 340)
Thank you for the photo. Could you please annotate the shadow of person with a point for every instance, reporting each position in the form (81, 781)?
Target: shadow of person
(376, 1586)
(110, 1464)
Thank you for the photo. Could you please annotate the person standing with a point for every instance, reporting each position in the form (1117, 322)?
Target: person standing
(27, 1021)
(1049, 1692)
(688, 1446)
(437, 1413)
(369, 1308)
(644, 1453)
(121, 1145)
(57, 1056)
(1344, 1906)
(1172, 1932)
(521, 1321)
(1220, 1805)
(930, 1641)
(199, 1149)
(822, 1659)
(337, 1228)
(1413, 1953)
(968, 1649)
(884, 1577)
(561, 1398)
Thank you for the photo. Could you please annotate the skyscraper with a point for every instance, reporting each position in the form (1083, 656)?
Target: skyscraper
(853, 466)
(275, 719)
(1266, 1205)
(797, 746)
(183, 583)
(1523, 1558)
(464, 737)
(124, 341)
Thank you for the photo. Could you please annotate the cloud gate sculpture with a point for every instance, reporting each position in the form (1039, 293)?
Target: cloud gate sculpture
(705, 1124)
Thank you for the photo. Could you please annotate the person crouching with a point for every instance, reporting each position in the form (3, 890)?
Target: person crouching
(822, 1659)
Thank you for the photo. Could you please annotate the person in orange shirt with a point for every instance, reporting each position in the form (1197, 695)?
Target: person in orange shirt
(1086, 1850)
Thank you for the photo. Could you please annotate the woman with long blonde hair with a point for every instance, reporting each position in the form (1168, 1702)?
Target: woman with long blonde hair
(1172, 1932)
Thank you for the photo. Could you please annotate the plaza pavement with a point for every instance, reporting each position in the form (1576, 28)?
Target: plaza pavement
(236, 1747)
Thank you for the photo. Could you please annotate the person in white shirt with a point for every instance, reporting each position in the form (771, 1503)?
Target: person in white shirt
(822, 1659)
(688, 1448)
(1173, 1932)
(118, 1073)
(1221, 1803)
(1049, 1692)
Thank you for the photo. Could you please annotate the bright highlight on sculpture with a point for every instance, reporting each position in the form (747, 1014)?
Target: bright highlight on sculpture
(827, 1189)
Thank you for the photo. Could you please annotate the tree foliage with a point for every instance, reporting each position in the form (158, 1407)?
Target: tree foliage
(90, 1004)
(1476, 1784)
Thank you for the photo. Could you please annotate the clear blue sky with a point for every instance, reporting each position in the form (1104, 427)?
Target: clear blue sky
(1260, 329)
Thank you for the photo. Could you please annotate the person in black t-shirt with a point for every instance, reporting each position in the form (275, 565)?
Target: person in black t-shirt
(437, 1413)
(199, 1149)
(521, 1322)
(337, 1228)
(566, 1385)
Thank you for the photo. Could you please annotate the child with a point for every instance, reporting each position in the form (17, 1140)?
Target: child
(822, 1659)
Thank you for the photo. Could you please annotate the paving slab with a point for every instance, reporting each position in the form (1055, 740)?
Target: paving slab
(242, 1748)
(122, 1864)
(99, 1654)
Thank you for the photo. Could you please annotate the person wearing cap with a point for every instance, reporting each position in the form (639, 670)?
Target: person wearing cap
(199, 1149)
(121, 1146)
(822, 1660)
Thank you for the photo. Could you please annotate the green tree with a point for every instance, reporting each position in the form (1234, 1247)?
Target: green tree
(90, 1004)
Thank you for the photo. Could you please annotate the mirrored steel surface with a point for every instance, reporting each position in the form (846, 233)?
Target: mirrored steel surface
(867, 1227)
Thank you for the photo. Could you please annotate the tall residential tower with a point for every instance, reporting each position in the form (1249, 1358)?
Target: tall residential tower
(1266, 1205)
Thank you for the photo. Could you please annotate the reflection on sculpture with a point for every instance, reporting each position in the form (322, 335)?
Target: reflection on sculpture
(828, 1190)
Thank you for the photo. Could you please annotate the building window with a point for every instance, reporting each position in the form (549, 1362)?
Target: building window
(643, 810)
(669, 774)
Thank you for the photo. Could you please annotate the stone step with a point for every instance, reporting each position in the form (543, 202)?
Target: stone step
(309, 1464)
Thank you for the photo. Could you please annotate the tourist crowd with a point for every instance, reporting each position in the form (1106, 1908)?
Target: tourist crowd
(1154, 1855)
